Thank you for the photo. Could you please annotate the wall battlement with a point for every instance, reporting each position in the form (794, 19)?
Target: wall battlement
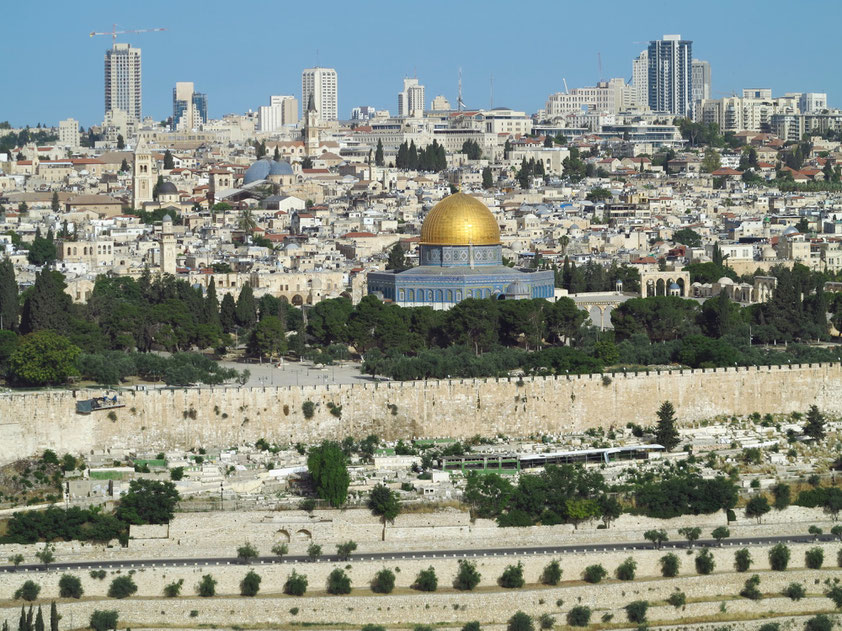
(167, 418)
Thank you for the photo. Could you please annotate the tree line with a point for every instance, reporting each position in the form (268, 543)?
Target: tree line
(430, 158)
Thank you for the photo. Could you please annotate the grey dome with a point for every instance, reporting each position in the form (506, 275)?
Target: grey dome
(166, 219)
(518, 288)
(265, 167)
(791, 230)
(167, 188)
(674, 286)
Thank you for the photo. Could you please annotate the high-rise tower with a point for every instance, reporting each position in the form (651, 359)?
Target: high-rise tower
(123, 89)
(411, 98)
(671, 76)
(321, 83)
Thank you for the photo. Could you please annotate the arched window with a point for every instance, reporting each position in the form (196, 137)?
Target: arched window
(411, 295)
(439, 295)
(429, 295)
(449, 295)
(401, 295)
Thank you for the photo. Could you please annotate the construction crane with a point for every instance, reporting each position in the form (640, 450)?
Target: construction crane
(114, 32)
(566, 91)
(459, 102)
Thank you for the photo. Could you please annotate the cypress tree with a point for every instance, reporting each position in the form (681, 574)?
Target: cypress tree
(39, 620)
(47, 307)
(22, 621)
(378, 154)
(246, 312)
(53, 617)
(412, 157)
(211, 305)
(9, 305)
(665, 432)
(169, 163)
(29, 619)
(228, 313)
(54, 202)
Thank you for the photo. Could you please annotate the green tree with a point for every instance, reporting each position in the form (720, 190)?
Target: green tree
(719, 533)
(206, 587)
(426, 581)
(246, 553)
(9, 301)
(598, 194)
(579, 616)
(782, 495)
(47, 306)
(711, 162)
(704, 562)
(670, 564)
(688, 237)
(692, 534)
(757, 507)
(169, 162)
(815, 425)
(742, 560)
(54, 202)
(636, 611)
(296, 584)
(487, 178)
(383, 582)
(467, 577)
(397, 259)
(378, 154)
(250, 584)
(28, 591)
(246, 309)
(338, 582)
(329, 470)
(148, 502)
(627, 569)
(551, 575)
(779, 557)
(43, 358)
(384, 503)
(103, 620)
(512, 577)
(268, 338)
(666, 433)
(520, 622)
(594, 574)
(121, 142)
(122, 587)
(70, 586)
(819, 623)
(814, 558)
(54, 617)
(657, 537)
(228, 314)
(344, 550)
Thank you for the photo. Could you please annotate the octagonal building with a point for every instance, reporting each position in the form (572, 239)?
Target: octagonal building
(461, 257)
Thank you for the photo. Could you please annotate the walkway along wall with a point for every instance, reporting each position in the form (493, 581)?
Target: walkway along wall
(160, 419)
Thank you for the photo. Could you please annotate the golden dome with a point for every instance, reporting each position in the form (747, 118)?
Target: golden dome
(460, 219)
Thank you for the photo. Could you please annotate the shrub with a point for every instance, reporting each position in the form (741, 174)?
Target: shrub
(770, 626)
(779, 557)
(28, 591)
(383, 582)
(742, 560)
(426, 581)
(308, 505)
(338, 582)
(704, 562)
(16, 559)
(173, 589)
(296, 584)
(280, 549)
(97, 574)
(314, 551)
(552, 573)
(70, 586)
(246, 552)
(626, 570)
(103, 620)
(750, 590)
(472, 626)
(207, 586)
(546, 621)
(815, 531)
(836, 531)
(594, 574)
(819, 623)
(371, 627)
(636, 611)
(309, 408)
(669, 565)
(579, 616)
(122, 587)
(795, 591)
(677, 599)
(467, 577)
(344, 550)
(814, 558)
(512, 577)
(834, 592)
(520, 622)
(176, 473)
(250, 584)
(782, 494)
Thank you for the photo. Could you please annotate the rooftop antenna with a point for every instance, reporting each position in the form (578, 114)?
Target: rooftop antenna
(492, 92)
(599, 60)
(459, 102)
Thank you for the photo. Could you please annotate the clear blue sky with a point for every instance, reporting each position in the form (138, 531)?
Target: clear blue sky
(241, 52)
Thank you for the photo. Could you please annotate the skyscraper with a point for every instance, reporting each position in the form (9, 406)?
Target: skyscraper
(282, 110)
(701, 81)
(671, 75)
(411, 99)
(123, 90)
(189, 108)
(640, 78)
(322, 85)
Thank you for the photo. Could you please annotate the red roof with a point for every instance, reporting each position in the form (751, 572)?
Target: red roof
(726, 171)
(355, 235)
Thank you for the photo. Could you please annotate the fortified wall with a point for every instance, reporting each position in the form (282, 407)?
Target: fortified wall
(161, 419)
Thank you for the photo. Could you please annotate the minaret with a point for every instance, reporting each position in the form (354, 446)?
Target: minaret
(167, 244)
(311, 128)
(143, 176)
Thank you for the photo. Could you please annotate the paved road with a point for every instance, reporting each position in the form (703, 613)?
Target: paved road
(431, 554)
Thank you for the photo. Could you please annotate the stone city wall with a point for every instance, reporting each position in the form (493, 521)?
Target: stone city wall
(162, 419)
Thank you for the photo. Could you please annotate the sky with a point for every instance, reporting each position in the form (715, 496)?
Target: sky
(240, 53)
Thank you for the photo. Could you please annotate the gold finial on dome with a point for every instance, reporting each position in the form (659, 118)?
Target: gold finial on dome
(460, 219)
